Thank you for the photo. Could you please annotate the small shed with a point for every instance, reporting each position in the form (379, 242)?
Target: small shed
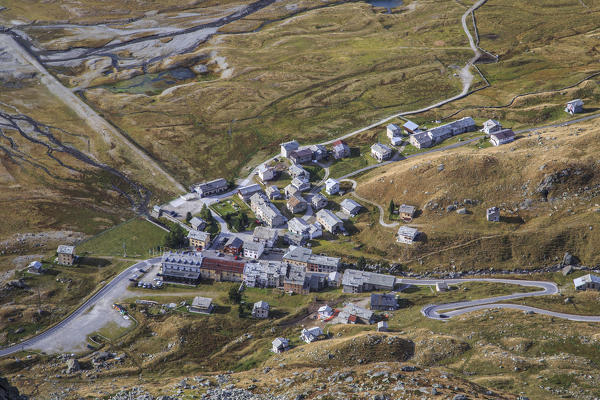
(441, 287)
(382, 326)
(202, 305)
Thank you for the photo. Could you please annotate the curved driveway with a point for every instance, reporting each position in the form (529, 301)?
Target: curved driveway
(381, 211)
(449, 310)
(74, 329)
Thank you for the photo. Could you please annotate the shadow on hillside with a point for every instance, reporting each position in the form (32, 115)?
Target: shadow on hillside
(221, 309)
(512, 220)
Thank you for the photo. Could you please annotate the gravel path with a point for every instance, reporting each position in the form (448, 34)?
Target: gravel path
(381, 210)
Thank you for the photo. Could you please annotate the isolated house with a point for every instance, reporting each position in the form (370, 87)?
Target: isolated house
(197, 223)
(340, 150)
(247, 191)
(198, 240)
(407, 235)
(574, 106)
(382, 326)
(393, 130)
(266, 173)
(586, 282)
(383, 302)
(420, 140)
(350, 207)
(318, 201)
(288, 147)
(380, 152)
(261, 310)
(411, 128)
(66, 255)
(296, 204)
(213, 187)
(202, 305)
(253, 250)
(280, 345)
(502, 137)
(35, 267)
(311, 334)
(332, 186)
(491, 126)
(493, 214)
(406, 212)
(441, 287)
(329, 221)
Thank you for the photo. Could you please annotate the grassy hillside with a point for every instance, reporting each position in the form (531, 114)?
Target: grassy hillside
(545, 183)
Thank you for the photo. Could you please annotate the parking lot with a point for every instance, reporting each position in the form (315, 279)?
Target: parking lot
(150, 278)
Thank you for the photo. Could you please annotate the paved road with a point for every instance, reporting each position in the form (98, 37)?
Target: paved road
(85, 112)
(85, 320)
(449, 310)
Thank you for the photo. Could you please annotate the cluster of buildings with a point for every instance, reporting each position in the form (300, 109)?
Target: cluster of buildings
(438, 134)
(498, 135)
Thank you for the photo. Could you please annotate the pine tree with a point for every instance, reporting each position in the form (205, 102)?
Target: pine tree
(188, 217)
(392, 207)
(361, 263)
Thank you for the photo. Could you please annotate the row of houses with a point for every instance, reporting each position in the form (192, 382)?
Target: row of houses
(315, 152)
(440, 133)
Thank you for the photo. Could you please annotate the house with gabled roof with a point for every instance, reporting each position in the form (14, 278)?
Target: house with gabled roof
(296, 203)
(301, 184)
(247, 191)
(311, 334)
(197, 223)
(355, 281)
(384, 302)
(318, 201)
(381, 152)
(502, 137)
(298, 226)
(420, 140)
(329, 221)
(589, 281)
(261, 309)
(297, 171)
(280, 345)
(301, 156)
(266, 173)
(273, 192)
(393, 130)
(198, 240)
(491, 126)
(353, 314)
(212, 187)
(340, 149)
(66, 255)
(332, 186)
(288, 147)
(202, 305)
(411, 128)
(266, 236)
(574, 106)
(350, 207)
(407, 235)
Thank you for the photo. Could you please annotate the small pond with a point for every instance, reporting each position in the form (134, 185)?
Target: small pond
(389, 4)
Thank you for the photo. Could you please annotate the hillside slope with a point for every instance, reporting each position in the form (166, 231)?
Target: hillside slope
(546, 184)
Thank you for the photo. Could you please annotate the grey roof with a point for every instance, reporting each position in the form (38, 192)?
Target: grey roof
(298, 254)
(291, 145)
(302, 153)
(503, 134)
(380, 148)
(264, 233)
(213, 185)
(408, 231)
(383, 300)
(296, 170)
(328, 217)
(272, 189)
(250, 189)
(261, 304)
(182, 260)
(298, 183)
(234, 241)
(280, 342)
(318, 198)
(491, 122)
(410, 125)
(589, 278)
(297, 225)
(202, 302)
(198, 235)
(266, 208)
(331, 182)
(253, 246)
(350, 205)
(353, 309)
(324, 260)
(64, 249)
(296, 275)
(421, 137)
(197, 221)
(393, 127)
(353, 277)
(406, 209)
(576, 102)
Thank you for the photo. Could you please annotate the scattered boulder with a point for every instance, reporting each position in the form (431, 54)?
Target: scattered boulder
(569, 259)
(462, 211)
(73, 366)
(451, 207)
(8, 392)
(18, 284)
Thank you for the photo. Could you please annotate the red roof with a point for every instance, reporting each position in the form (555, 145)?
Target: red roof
(352, 318)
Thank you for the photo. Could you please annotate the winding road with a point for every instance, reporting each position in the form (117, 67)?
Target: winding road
(449, 310)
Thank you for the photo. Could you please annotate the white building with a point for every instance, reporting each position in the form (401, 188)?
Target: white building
(502, 137)
(491, 126)
(393, 130)
(332, 186)
(280, 345)
(266, 173)
(586, 282)
(574, 106)
(407, 235)
(441, 287)
(493, 214)
(350, 207)
(329, 221)
(382, 326)
(261, 310)
(318, 201)
(253, 250)
(298, 226)
(325, 312)
(380, 152)
(311, 334)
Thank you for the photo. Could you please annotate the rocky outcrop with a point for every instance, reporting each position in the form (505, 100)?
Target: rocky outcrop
(8, 392)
